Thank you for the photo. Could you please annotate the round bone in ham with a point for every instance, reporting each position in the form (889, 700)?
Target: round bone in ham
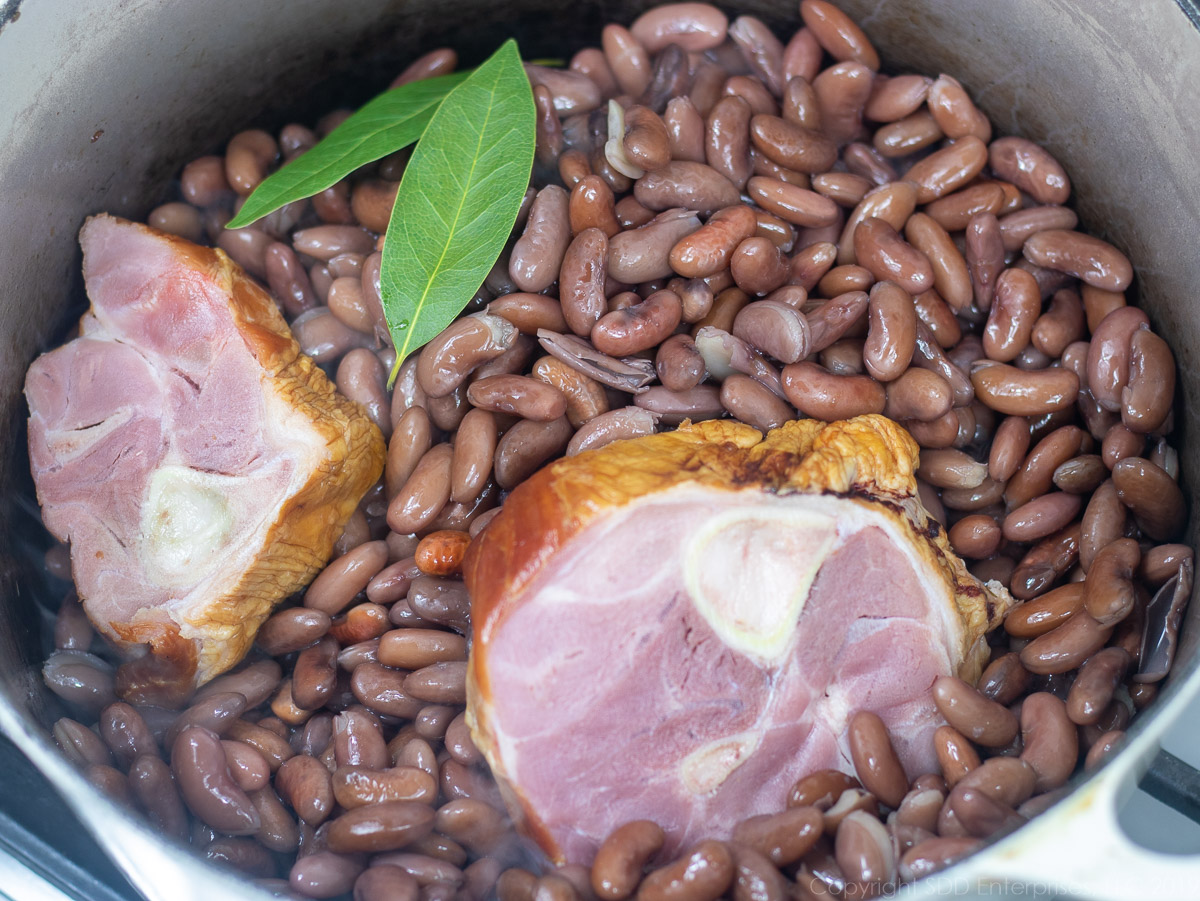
(677, 627)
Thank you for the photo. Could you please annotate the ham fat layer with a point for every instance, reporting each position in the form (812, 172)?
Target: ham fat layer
(200, 466)
(677, 628)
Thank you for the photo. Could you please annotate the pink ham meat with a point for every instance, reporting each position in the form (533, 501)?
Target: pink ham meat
(679, 627)
(199, 465)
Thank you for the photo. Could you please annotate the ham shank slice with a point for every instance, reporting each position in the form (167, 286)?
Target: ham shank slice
(678, 627)
(200, 466)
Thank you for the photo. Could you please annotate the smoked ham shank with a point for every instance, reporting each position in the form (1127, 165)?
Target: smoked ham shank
(200, 466)
(678, 627)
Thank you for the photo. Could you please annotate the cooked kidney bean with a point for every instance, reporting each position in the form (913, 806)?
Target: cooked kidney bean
(1152, 496)
(1081, 475)
(520, 395)
(1009, 445)
(979, 718)
(783, 837)
(585, 397)
(955, 112)
(710, 248)
(682, 183)
(1045, 612)
(934, 855)
(948, 169)
(446, 361)
(820, 789)
(526, 446)
(1050, 744)
(864, 853)
(1031, 168)
(891, 334)
(1066, 646)
(1162, 562)
(914, 132)
(1045, 563)
(774, 328)
(701, 874)
(1017, 392)
(794, 204)
(1110, 594)
(875, 760)
(750, 401)
(336, 586)
(894, 203)
(617, 868)
(202, 774)
(822, 395)
(678, 364)
(832, 319)
(614, 425)
(727, 140)
(1149, 392)
(879, 248)
(1089, 259)
(1041, 516)
(1093, 688)
(976, 536)
(842, 91)
(918, 394)
(685, 130)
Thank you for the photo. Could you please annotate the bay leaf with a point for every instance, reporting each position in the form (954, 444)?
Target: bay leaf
(388, 123)
(458, 200)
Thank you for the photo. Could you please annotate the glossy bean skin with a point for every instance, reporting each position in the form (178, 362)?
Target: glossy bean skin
(1050, 743)
(753, 403)
(1017, 392)
(894, 203)
(585, 396)
(520, 395)
(875, 761)
(759, 266)
(979, 718)
(702, 874)
(1152, 496)
(1066, 646)
(640, 327)
(1108, 358)
(202, 774)
(1040, 615)
(1089, 259)
(891, 333)
(337, 584)
(642, 254)
(820, 394)
(775, 328)
(1031, 168)
(918, 394)
(617, 868)
(526, 446)
(1149, 392)
(948, 169)
(446, 361)
(880, 248)
(613, 425)
(792, 203)
(1015, 307)
(1109, 594)
(709, 249)
(1045, 563)
(784, 837)
(1041, 516)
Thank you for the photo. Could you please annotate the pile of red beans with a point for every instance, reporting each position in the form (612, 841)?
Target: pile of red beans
(720, 224)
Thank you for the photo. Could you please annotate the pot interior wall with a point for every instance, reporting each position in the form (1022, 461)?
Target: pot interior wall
(105, 102)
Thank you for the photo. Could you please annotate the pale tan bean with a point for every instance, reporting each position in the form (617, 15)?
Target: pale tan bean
(975, 716)
(1088, 258)
(678, 364)
(1031, 168)
(894, 203)
(837, 33)
(794, 204)
(948, 169)
(1149, 392)
(446, 361)
(526, 446)
(842, 91)
(951, 278)
(338, 583)
(1041, 516)
(1066, 646)
(817, 393)
(709, 249)
(914, 132)
(610, 426)
(955, 112)
(424, 493)
(1017, 392)
(753, 403)
(918, 394)
(538, 254)
(585, 397)
(1152, 496)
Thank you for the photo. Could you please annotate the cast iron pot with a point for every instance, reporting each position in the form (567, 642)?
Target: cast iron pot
(103, 100)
